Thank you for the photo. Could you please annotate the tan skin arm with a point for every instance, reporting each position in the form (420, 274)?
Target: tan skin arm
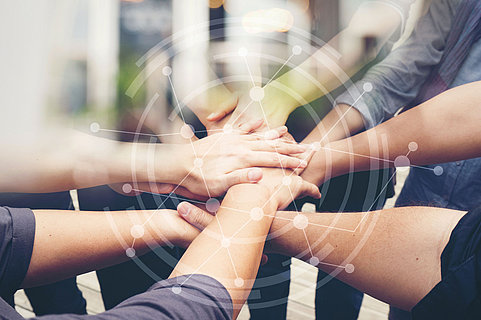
(393, 255)
(68, 243)
(434, 126)
(319, 74)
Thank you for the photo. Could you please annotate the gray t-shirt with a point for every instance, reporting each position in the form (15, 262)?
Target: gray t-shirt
(186, 297)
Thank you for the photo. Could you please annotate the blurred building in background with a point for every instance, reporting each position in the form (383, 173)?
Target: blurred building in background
(84, 55)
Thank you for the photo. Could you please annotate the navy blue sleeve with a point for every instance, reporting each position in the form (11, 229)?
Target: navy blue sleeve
(186, 297)
(17, 232)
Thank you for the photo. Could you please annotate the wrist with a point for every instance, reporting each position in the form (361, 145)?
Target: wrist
(161, 163)
(282, 103)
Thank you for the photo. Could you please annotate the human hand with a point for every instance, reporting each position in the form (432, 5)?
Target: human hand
(286, 186)
(251, 106)
(217, 162)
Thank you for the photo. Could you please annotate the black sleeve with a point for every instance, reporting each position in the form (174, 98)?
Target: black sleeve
(458, 294)
(17, 232)
(186, 297)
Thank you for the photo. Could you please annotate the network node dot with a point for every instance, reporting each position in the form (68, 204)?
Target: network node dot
(242, 51)
(438, 170)
(239, 282)
(198, 163)
(187, 131)
(300, 221)
(402, 161)
(256, 93)
(127, 188)
(349, 268)
(167, 71)
(176, 289)
(212, 205)
(225, 242)
(412, 146)
(137, 231)
(314, 261)
(257, 214)
(286, 180)
(95, 127)
(316, 146)
(296, 50)
(130, 252)
(367, 87)
(228, 129)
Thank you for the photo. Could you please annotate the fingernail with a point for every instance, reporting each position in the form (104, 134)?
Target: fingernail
(254, 174)
(183, 209)
(303, 163)
(212, 115)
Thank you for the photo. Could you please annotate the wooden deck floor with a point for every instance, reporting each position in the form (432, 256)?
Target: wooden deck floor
(301, 299)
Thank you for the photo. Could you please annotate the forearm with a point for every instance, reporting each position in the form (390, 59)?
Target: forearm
(393, 255)
(70, 160)
(433, 132)
(68, 243)
(334, 63)
(236, 263)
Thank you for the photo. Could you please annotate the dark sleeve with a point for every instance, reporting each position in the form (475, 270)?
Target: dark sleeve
(186, 297)
(17, 232)
(458, 294)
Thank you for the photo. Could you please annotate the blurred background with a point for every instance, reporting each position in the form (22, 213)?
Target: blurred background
(103, 59)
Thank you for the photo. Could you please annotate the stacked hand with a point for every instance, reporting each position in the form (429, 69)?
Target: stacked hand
(246, 112)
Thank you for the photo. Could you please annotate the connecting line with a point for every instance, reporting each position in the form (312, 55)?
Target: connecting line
(205, 182)
(172, 192)
(307, 241)
(374, 202)
(233, 264)
(242, 112)
(197, 270)
(176, 99)
(249, 70)
(279, 70)
(187, 199)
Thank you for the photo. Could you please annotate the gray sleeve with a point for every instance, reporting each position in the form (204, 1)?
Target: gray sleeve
(17, 233)
(396, 80)
(186, 297)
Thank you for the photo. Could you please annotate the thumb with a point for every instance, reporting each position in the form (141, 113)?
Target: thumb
(224, 108)
(194, 215)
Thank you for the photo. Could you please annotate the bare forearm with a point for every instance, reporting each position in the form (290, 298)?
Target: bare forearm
(69, 243)
(390, 254)
(71, 160)
(334, 63)
(434, 132)
(230, 248)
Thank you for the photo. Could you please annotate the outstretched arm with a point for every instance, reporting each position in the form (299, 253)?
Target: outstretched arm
(393, 254)
(66, 159)
(325, 70)
(68, 243)
(430, 133)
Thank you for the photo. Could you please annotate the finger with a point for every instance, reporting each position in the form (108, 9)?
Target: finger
(248, 175)
(251, 126)
(310, 190)
(224, 108)
(275, 133)
(273, 160)
(264, 259)
(279, 146)
(193, 215)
